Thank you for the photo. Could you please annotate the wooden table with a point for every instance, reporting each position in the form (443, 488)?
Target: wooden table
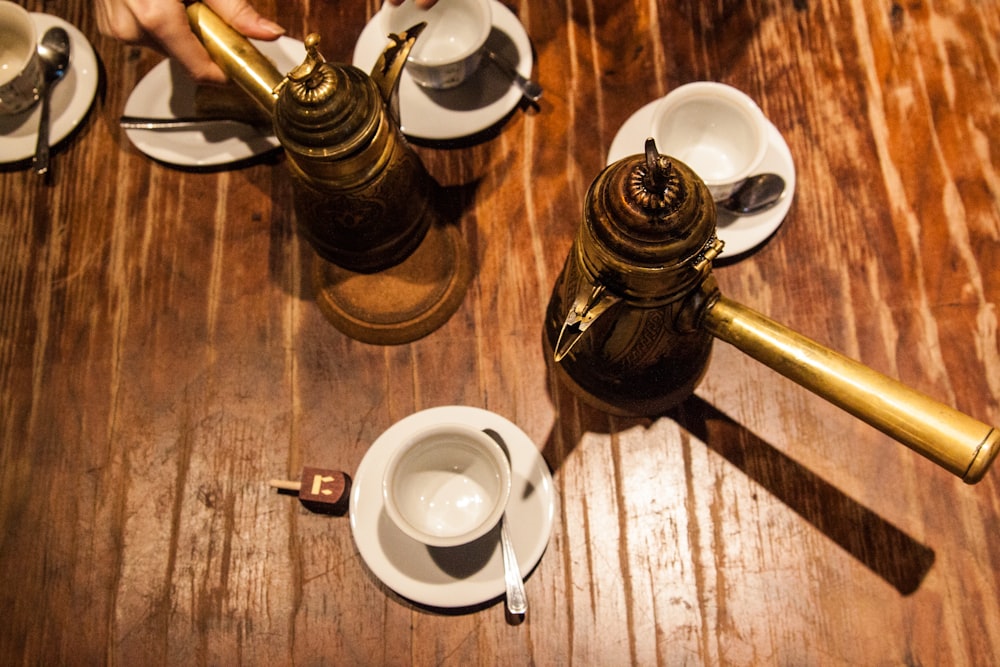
(161, 358)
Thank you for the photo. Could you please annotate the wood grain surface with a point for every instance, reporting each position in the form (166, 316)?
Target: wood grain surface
(162, 358)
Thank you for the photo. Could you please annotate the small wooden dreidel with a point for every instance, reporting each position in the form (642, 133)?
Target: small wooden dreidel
(319, 490)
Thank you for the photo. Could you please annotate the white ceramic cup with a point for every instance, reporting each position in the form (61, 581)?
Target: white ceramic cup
(447, 485)
(715, 129)
(20, 66)
(449, 49)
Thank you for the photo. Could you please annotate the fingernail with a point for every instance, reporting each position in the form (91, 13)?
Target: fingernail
(271, 27)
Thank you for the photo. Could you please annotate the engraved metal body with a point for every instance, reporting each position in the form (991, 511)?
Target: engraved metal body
(646, 241)
(362, 193)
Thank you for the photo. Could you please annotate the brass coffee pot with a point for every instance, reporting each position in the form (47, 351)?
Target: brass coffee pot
(635, 310)
(363, 198)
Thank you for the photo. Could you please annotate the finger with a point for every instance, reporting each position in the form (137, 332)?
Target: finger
(116, 20)
(169, 26)
(244, 18)
(186, 49)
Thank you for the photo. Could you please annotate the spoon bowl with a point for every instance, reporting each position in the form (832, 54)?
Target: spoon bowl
(53, 51)
(755, 195)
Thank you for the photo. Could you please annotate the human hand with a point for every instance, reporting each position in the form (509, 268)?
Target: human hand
(163, 25)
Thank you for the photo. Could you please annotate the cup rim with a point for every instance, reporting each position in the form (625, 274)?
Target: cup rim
(392, 24)
(496, 512)
(31, 46)
(733, 96)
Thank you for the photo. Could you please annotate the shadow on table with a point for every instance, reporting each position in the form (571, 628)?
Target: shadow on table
(511, 619)
(479, 93)
(883, 548)
(442, 566)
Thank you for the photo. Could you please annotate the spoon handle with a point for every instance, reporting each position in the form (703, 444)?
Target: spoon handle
(40, 161)
(517, 599)
(529, 88)
(179, 123)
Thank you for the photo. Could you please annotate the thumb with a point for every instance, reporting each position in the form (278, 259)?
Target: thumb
(241, 15)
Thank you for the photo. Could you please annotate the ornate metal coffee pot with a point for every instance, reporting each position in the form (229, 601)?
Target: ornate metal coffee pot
(362, 196)
(633, 315)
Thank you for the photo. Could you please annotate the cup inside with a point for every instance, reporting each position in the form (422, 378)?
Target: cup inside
(17, 41)
(456, 29)
(447, 485)
(715, 129)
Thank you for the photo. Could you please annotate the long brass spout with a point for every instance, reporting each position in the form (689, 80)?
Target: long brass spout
(955, 441)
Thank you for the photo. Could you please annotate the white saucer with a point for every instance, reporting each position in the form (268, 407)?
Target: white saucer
(475, 105)
(167, 91)
(740, 233)
(458, 576)
(71, 99)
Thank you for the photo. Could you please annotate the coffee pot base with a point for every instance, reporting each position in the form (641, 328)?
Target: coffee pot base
(404, 302)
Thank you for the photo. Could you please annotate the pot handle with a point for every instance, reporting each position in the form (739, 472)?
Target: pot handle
(239, 59)
(962, 445)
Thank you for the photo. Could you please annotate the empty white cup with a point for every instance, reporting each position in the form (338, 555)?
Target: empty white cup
(715, 129)
(447, 485)
(449, 49)
(20, 66)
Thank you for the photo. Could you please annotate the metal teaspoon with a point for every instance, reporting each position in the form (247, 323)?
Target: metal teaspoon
(517, 599)
(754, 195)
(530, 89)
(53, 51)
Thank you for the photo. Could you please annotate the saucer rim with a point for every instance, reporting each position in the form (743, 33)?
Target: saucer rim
(155, 144)
(742, 233)
(455, 125)
(65, 119)
(455, 594)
